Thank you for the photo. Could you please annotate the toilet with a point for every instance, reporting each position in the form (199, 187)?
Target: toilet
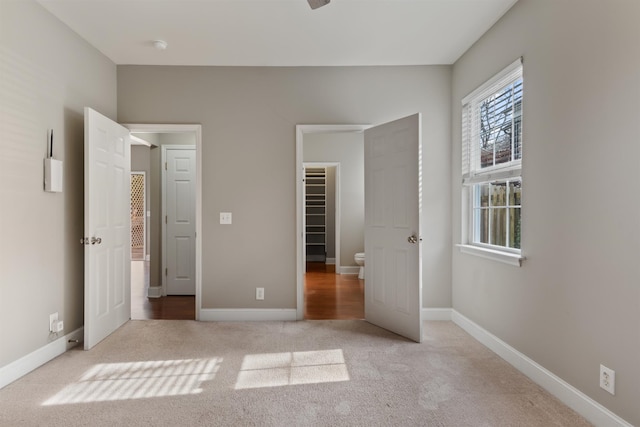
(359, 258)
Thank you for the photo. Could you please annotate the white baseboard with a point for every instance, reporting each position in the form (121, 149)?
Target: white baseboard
(39, 357)
(247, 314)
(436, 313)
(154, 292)
(593, 411)
(349, 269)
(330, 261)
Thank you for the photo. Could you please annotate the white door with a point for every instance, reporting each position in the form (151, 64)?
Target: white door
(180, 269)
(393, 290)
(107, 253)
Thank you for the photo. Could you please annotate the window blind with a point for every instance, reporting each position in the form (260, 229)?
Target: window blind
(491, 128)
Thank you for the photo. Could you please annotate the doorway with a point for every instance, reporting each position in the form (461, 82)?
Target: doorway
(154, 302)
(393, 218)
(325, 292)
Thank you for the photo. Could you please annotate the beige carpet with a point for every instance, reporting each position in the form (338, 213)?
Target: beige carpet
(325, 373)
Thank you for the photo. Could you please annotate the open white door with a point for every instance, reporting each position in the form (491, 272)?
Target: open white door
(107, 253)
(393, 271)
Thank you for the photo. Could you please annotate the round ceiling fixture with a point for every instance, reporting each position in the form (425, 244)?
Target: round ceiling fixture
(160, 44)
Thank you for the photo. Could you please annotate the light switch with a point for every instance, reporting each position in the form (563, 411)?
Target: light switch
(225, 217)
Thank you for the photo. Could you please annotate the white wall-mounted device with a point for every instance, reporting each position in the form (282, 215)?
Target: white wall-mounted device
(52, 169)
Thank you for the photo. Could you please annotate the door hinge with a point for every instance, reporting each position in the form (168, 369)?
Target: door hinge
(166, 271)
(165, 165)
(165, 219)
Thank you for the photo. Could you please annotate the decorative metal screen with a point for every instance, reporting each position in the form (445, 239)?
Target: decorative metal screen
(137, 216)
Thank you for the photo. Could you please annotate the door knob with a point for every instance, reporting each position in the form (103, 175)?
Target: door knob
(95, 240)
(412, 239)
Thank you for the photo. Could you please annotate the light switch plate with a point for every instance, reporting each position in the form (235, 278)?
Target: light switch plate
(225, 217)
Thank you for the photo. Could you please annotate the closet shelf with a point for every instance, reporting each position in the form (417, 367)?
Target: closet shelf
(315, 213)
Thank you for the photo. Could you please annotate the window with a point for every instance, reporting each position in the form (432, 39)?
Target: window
(492, 163)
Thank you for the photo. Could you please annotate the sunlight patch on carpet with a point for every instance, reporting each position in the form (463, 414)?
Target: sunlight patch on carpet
(138, 380)
(300, 367)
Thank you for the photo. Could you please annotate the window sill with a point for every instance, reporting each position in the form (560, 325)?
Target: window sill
(504, 257)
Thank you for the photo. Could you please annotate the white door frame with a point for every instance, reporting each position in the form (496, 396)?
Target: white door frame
(336, 214)
(197, 130)
(144, 213)
(301, 130)
(163, 197)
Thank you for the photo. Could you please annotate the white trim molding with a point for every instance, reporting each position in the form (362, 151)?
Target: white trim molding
(350, 269)
(330, 261)
(436, 314)
(154, 292)
(247, 314)
(495, 255)
(593, 411)
(39, 357)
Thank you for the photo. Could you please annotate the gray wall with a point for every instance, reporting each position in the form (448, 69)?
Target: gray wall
(248, 118)
(575, 303)
(49, 75)
(348, 150)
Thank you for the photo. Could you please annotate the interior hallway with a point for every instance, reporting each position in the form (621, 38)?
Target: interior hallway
(328, 295)
(172, 307)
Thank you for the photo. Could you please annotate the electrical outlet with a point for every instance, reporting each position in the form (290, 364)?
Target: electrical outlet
(59, 327)
(225, 218)
(608, 379)
(53, 321)
(259, 293)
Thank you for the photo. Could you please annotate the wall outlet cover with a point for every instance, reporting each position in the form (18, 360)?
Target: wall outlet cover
(608, 379)
(53, 321)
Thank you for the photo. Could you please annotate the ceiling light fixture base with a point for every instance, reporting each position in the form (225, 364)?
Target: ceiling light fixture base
(160, 44)
(318, 3)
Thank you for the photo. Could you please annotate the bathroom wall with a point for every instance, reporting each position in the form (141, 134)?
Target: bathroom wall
(348, 150)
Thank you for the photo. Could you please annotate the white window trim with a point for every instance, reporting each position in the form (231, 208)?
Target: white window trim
(492, 254)
(498, 172)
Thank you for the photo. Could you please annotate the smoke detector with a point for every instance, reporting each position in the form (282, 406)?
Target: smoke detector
(160, 44)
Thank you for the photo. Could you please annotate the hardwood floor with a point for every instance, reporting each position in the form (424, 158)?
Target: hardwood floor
(328, 295)
(169, 307)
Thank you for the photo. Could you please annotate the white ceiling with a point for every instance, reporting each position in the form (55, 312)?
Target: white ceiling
(280, 32)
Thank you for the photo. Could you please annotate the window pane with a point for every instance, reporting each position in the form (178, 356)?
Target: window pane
(515, 193)
(484, 191)
(498, 227)
(514, 228)
(481, 220)
(501, 126)
(517, 120)
(498, 194)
